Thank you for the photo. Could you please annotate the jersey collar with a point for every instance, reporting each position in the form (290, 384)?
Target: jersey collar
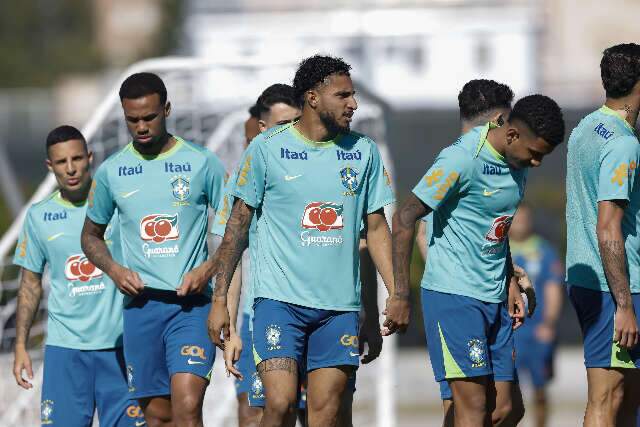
(314, 144)
(610, 112)
(161, 156)
(57, 197)
(485, 143)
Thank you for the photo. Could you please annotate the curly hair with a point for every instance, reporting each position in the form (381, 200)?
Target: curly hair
(314, 70)
(275, 94)
(543, 116)
(620, 69)
(141, 84)
(479, 96)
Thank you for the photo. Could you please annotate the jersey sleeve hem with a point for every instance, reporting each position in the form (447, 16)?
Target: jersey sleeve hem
(95, 219)
(423, 200)
(378, 206)
(245, 199)
(27, 266)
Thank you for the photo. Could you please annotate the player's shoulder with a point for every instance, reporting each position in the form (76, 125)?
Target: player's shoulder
(112, 160)
(37, 208)
(274, 133)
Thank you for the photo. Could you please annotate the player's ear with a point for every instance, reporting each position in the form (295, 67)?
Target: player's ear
(513, 134)
(90, 153)
(262, 125)
(48, 163)
(312, 98)
(167, 109)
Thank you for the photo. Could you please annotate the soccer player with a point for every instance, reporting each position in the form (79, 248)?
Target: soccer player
(162, 187)
(469, 293)
(83, 360)
(535, 340)
(603, 240)
(276, 106)
(310, 184)
(481, 101)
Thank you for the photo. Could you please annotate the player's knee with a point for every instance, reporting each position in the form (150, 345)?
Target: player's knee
(187, 406)
(280, 406)
(157, 419)
(249, 416)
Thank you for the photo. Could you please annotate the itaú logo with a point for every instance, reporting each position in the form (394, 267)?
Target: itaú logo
(78, 267)
(159, 228)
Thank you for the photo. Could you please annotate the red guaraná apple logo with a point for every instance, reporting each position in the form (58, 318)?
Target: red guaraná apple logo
(499, 229)
(78, 267)
(159, 228)
(322, 216)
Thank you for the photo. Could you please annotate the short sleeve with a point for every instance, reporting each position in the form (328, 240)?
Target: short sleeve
(379, 190)
(222, 215)
(101, 204)
(216, 178)
(250, 182)
(29, 253)
(445, 178)
(618, 162)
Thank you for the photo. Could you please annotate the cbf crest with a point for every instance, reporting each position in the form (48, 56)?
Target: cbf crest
(477, 353)
(349, 178)
(256, 387)
(272, 334)
(180, 189)
(46, 412)
(130, 379)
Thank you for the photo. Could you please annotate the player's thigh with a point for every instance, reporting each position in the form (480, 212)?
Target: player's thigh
(345, 413)
(67, 388)
(470, 393)
(156, 409)
(326, 387)
(334, 341)
(457, 330)
(144, 322)
(280, 380)
(115, 409)
(187, 394)
(188, 349)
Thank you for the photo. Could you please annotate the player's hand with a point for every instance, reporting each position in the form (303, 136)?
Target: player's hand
(22, 361)
(194, 282)
(128, 281)
(370, 335)
(232, 351)
(625, 328)
(515, 304)
(545, 333)
(527, 287)
(398, 311)
(219, 322)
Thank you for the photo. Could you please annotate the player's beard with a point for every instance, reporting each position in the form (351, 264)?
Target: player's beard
(331, 124)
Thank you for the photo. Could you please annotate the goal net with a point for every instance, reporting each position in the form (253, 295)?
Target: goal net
(209, 102)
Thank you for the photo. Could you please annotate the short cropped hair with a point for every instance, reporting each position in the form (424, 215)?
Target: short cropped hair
(275, 94)
(141, 84)
(64, 133)
(480, 96)
(543, 116)
(314, 70)
(620, 69)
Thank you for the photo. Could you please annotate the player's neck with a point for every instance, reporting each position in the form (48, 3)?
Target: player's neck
(627, 107)
(165, 144)
(77, 197)
(312, 128)
(497, 138)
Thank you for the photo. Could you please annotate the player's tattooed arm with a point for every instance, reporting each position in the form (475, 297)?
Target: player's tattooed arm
(613, 256)
(227, 257)
(95, 248)
(29, 296)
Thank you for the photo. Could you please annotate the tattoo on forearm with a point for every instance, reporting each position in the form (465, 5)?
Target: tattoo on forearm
(278, 364)
(94, 246)
(612, 253)
(29, 297)
(404, 224)
(234, 242)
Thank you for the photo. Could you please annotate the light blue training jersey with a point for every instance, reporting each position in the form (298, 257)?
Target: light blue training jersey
(310, 200)
(474, 194)
(84, 305)
(162, 204)
(602, 164)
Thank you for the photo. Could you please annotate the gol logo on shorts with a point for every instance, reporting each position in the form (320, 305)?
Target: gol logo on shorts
(134, 411)
(349, 341)
(193, 351)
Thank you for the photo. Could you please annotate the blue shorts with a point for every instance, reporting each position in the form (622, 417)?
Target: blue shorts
(468, 337)
(315, 338)
(445, 390)
(77, 382)
(596, 310)
(535, 357)
(165, 334)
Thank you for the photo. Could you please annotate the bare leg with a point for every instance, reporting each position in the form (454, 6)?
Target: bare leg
(447, 408)
(605, 393)
(187, 396)
(324, 395)
(157, 411)
(280, 379)
(248, 416)
(470, 397)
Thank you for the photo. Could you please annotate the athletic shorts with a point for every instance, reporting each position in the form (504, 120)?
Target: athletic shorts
(165, 334)
(536, 358)
(596, 311)
(468, 337)
(77, 382)
(315, 338)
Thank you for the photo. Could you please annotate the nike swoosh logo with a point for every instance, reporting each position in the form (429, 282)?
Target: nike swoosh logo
(194, 362)
(291, 178)
(352, 354)
(140, 423)
(54, 237)
(129, 194)
(489, 193)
